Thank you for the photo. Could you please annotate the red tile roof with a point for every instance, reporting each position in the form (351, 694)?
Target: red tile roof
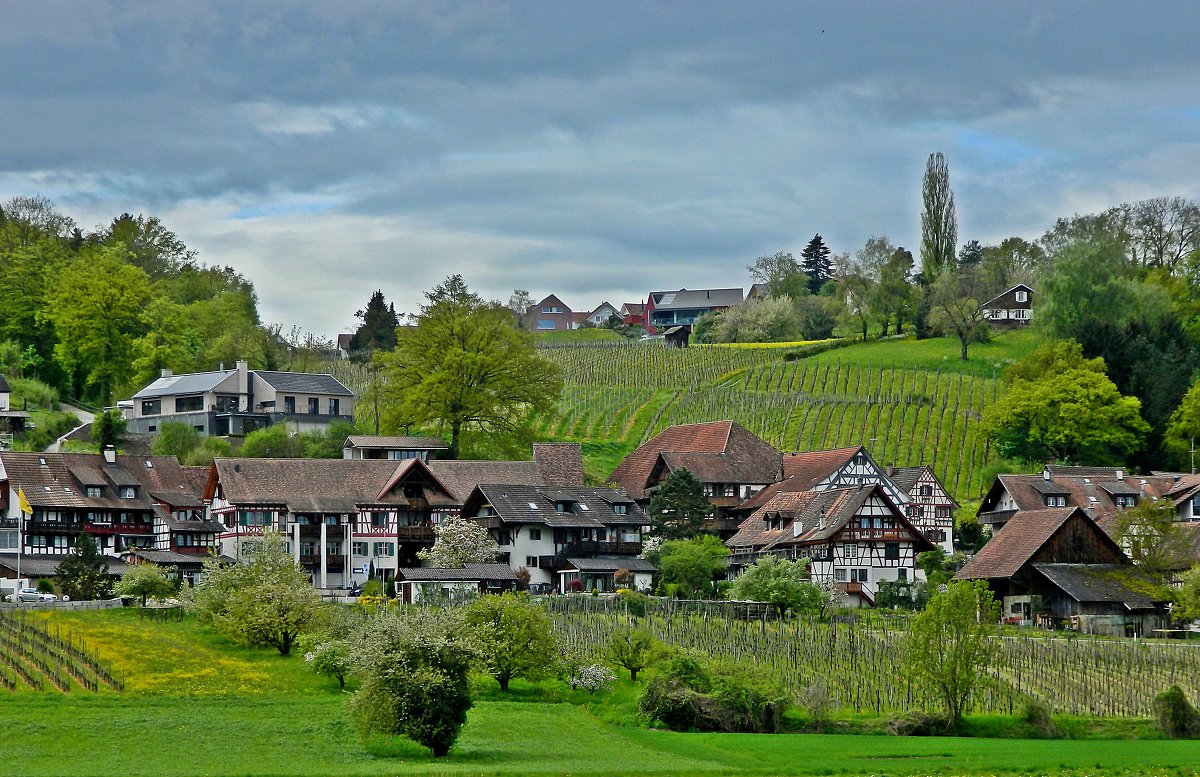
(811, 467)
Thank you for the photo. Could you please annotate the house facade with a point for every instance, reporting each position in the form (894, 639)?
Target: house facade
(361, 446)
(556, 532)
(731, 463)
(601, 315)
(552, 315)
(633, 314)
(665, 309)
(238, 401)
(856, 537)
(930, 507)
(1010, 308)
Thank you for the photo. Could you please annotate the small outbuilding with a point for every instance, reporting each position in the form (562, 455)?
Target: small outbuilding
(433, 585)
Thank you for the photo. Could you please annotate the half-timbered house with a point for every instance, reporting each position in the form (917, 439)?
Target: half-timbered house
(855, 536)
(930, 507)
(552, 530)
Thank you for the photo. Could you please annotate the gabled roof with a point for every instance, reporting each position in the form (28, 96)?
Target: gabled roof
(1093, 489)
(722, 468)
(728, 437)
(461, 477)
(45, 565)
(632, 308)
(696, 299)
(189, 383)
(62, 481)
(1011, 288)
(169, 558)
(583, 507)
(1102, 583)
(302, 382)
(810, 468)
(396, 443)
(552, 300)
(608, 565)
(307, 485)
(561, 463)
(1021, 538)
(467, 574)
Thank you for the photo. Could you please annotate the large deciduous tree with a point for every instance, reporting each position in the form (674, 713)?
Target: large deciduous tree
(784, 584)
(147, 581)
(956, 301)
(678, 507)
(1062, 406)
(939, 224)
(689, 567)
(950, 644)
(263, 599)
(781, 274)
(465, 366)
(1184, 427)
(96, 307)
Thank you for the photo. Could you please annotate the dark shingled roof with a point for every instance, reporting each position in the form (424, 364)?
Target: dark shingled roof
(1090, 491)
(170, 558)
(1101, 583)
(302, 382)
(1012, 547)
(467, 574)
(43, 565)
(609, 565)
(561, 462)
(62, 481)
(512, 504)
(906, 478)
(727, 437)
(723, 468)
(189, 383)
(396, 443)
(307, 485)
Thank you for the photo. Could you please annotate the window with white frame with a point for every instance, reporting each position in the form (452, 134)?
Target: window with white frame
(358, 548)
(385, 549)
(851, 550)
(1022, 296)
(839, 575)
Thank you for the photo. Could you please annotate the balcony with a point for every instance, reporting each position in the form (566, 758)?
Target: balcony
(415, 533)
(332, 563)
(592, 548)
(994, 517)
(857, 589)
(53, 526)
(119, 528)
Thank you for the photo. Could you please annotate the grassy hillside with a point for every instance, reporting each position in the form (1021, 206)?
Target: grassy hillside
(911, 402)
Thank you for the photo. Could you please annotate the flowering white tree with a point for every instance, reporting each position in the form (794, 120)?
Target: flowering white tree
(460, 542)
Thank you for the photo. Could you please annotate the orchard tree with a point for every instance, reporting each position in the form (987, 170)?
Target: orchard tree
(784, 584)
(815, 262)
(460, 542)
(82, 574)
(414, 671)
(1157, 543)
(108, 428)
(689, 567)
(143, 581)
(951, 644)
(464, 366)
(263, 599)
(956, 301)
(633, 649)
(678, 506)
(513, 637)
(939, 224)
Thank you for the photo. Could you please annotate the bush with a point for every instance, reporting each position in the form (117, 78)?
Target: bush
(1036, 715)
(635, 601)
(691, 696)
(1177, 717)
(44, 586)
(372, 588)
(918, 724)
(591, 678)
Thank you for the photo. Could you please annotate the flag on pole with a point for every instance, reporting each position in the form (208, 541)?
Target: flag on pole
(23, 502)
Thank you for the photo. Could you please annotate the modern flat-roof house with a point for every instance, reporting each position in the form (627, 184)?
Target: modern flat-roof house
(665, 309)
(361, 446)
(238, 401)
(559, 533)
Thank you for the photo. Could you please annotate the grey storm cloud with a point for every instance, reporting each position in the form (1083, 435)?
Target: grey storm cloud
(597, 150)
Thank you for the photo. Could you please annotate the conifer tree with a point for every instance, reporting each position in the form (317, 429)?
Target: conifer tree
(815, 262)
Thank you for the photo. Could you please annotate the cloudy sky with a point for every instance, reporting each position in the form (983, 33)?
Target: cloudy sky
(596, 150)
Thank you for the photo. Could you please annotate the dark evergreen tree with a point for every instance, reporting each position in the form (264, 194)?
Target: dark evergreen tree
(378, 329)
(678, 507)
(971, 254)
(83, 575)
(815, 262)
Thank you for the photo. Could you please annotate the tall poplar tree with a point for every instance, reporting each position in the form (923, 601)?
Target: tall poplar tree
(939, 225)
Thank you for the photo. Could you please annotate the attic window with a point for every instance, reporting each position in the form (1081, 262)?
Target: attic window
(42, 460)
(1088, 481)
(560, 507)
(46, 487)
(1093, 499)
(533, 505)
(149, 464)
(583, 507)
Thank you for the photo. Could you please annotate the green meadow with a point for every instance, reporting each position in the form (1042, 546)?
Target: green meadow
(197, 705)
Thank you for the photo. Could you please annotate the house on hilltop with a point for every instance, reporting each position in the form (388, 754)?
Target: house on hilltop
(1010, 308)
(666, 309)
(238, 401)
(552, 315)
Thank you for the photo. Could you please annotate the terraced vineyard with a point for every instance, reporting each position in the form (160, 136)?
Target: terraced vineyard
(905, 415)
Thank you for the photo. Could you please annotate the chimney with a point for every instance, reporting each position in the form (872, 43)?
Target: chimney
(165, 373)
(821, 519)
(891, 470)
(1120, 474)
(110, 454)
(1046, 474)
(243, 378)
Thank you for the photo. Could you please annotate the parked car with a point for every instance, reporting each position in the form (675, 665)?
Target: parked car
(34, 595)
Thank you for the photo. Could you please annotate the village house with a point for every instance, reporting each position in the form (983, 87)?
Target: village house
(600, 316)
(633, 314)
(442, 585)
(552, 315)
(361, 446)
(351, 520)
(1010, 308)
(561, 533)
(238, 401)
(930, 507)
(730, 462)
(1057, 568)
(665, 309)
(854, 536)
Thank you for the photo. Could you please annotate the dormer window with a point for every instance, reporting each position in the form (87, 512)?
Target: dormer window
(1125, 500)
(560, 507)
(1056, 501)
(128, 492)
(620, 509)
(93, 492)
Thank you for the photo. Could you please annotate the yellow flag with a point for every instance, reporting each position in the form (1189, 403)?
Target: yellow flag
(23, 502)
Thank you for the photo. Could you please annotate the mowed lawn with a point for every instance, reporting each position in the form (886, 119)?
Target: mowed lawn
(198, 705)
(983, 359)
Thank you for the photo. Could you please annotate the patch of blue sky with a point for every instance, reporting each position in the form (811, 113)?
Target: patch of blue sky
(272, 209)
(996, 148)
